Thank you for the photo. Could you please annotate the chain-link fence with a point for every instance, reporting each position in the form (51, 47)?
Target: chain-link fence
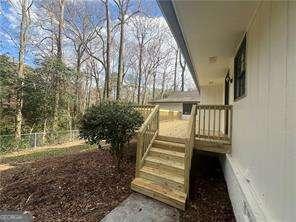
(31, 140)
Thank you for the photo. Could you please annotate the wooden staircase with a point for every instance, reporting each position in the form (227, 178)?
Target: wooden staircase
(162, 175)
(163, 163)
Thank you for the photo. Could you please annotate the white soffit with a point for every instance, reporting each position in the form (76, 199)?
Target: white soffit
(213, 30)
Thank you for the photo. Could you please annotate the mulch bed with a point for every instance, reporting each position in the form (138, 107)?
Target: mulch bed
(208, 198)
(86, 186)
(78, 187)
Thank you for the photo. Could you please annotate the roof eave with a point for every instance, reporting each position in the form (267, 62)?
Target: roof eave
(168, 10)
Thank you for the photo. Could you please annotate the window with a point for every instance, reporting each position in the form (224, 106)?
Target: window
(240, 71)
(187, 108)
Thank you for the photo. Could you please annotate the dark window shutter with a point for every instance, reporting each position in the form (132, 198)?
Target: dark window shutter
(240, 71)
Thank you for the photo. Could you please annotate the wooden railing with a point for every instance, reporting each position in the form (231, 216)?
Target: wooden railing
(214, 122)
(189, 145)
(146, 135)
(145, 110)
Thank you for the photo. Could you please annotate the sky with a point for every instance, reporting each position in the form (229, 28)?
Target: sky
(9, 24)
(10, 21)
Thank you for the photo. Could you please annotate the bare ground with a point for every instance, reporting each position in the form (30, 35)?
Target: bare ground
(77, 187)
(85, 186)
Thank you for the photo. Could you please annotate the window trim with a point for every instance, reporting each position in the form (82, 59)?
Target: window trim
(243, 44)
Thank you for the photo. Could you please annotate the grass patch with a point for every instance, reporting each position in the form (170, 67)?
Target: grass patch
(45, 153)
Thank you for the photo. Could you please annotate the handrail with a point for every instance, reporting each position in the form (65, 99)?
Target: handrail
(189, 145)
(214, 122)
(144, 106)
(146, 135)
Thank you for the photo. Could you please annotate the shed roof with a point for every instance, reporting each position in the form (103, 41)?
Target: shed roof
(177, 97)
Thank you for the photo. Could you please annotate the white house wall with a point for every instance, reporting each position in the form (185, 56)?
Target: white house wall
(264, 122)
(212, 94)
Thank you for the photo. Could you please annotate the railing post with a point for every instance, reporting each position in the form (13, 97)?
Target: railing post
(157, 120)
(139, 153)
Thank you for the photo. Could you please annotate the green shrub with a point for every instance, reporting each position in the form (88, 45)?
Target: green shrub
(112, 121)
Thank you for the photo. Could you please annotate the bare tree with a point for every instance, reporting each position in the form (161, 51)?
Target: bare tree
(164, 78)
(107, 88)
(80, 30)
(25, 7)
(123, 7)
(156, 56)
(144, 31)
(59, 43)
(183, 65)
(176, 69)
(60, 29)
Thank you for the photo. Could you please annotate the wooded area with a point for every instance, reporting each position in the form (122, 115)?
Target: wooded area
(83, 52)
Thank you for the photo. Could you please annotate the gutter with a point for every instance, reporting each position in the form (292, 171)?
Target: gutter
(169, 12)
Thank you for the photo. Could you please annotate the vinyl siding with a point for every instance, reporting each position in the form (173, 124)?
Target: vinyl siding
(264, 122)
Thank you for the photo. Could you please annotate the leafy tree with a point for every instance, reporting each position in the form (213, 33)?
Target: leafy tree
(113, 121)
(8, 83)
(38, 100)
(59, 75)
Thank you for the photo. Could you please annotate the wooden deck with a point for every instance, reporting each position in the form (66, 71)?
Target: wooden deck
(165, 145)
(174, 128)
(217, 142)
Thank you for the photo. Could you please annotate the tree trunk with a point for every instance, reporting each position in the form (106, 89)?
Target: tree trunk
(59, 57)
(69, 118)
(140, 70)
(108, 59)
(20, 71)
(175, 71)
(60, 30)
(77, 87)
(183, 67)
(120, 58)
(153, 88)
(135, 88)
(97, 80)
(163, 84)
(145, 89)
(44, 130)
(56, 110)
(88, 103)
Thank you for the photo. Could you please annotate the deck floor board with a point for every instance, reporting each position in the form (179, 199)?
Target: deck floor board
(175, 128)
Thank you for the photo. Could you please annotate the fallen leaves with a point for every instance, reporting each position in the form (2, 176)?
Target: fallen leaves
(78, 187)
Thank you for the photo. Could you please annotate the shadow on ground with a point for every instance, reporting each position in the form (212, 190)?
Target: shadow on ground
(208, 198)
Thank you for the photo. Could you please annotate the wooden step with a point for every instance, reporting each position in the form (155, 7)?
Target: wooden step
(162, 177)
(179, 147)
(168, 165)
(167, 154)
(170, 139)
(164, 194)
